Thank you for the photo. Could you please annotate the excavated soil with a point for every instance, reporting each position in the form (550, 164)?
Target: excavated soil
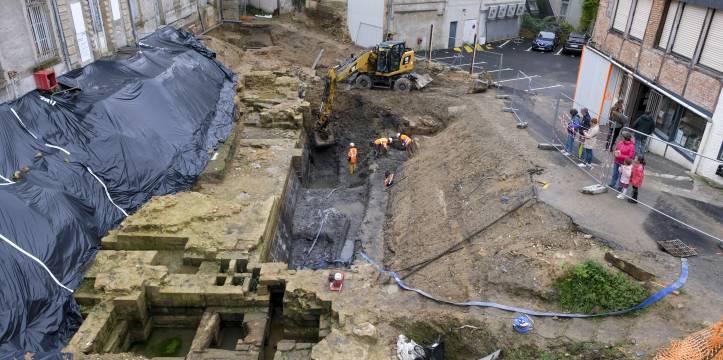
(473, 174)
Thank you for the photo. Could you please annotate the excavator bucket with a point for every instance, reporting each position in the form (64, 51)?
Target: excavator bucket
(421, 80)
(324, 139)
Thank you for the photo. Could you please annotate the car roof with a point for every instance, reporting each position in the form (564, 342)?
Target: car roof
(577, 35)
(547, 33)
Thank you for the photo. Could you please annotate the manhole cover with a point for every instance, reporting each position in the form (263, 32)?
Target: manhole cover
(677, 248)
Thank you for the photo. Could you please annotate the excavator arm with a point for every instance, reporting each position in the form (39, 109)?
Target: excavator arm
(340, 72)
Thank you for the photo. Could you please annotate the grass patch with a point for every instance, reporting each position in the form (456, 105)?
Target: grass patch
(590, 288)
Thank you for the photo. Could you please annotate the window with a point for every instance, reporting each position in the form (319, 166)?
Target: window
(563, 8)
(690, 131)
(665, 118)
(668, 26)
(640, 18)
(712, 54)
(621, 15)
(95, 16)
(40, 23)
(689, 30)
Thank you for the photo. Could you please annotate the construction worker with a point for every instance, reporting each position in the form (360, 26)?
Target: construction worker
(351, 157)
(388, 179)
(406, 142)
(381, 145)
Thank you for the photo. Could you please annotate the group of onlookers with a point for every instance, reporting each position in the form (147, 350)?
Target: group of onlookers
(629, 161)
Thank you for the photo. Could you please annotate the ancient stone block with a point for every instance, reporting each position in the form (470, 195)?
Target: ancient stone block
(207, 331)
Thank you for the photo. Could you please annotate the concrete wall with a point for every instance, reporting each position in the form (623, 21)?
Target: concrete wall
(712, 146)
(365, 20)
(574, 11)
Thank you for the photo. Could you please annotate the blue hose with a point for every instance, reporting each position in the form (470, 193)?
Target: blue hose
(647, 302)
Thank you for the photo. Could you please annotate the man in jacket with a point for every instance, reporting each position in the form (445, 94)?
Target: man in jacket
(624, 149)
(645, 125)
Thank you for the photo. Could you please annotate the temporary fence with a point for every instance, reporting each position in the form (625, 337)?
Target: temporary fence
(706, 344)
(668, 164)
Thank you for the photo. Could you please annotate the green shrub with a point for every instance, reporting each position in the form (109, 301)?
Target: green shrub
(589, 12)
(171, 346)
(590, 288)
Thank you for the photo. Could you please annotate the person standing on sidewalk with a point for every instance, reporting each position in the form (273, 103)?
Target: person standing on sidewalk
(351, 158)
(572, 128)
(636, 179)
(645, 125)
(617, 121)
(589, 143)
(626, 172)
(584, 126)
(624, 149)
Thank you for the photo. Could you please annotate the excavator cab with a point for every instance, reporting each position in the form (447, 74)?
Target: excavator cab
(389, 56)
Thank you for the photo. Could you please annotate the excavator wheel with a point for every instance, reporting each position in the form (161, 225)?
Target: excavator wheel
(363, 82)
(403, 85)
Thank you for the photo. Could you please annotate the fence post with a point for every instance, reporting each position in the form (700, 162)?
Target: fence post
(429, 48)
(474, 54)
(499, 71)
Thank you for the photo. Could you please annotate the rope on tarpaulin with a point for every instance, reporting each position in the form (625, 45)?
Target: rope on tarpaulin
(647, 302)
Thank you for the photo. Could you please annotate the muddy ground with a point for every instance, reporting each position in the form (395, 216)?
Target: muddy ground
(473, 168)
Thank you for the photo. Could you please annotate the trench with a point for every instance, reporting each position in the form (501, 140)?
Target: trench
(331, 214)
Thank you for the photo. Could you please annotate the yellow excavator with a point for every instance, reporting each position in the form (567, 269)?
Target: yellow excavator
(389, 64)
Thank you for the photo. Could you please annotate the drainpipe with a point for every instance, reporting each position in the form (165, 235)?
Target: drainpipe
(59, 29)
(133, 22)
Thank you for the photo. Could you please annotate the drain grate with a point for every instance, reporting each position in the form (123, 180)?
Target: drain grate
(677, 248)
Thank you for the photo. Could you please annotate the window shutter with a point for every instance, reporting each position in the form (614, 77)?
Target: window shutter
(668, 26)
(640, 18)
(621, 15)
(689, 29)
(712, 55)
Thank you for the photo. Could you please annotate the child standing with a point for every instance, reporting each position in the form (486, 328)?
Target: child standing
(573, 127)
(636, 178)
(626, 171)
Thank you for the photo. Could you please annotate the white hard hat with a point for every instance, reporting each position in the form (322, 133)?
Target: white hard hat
(390, 140)
(351, 144)
(399, 134)
(338, 276)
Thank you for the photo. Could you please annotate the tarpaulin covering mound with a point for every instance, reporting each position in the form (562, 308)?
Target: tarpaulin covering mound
(74, 164)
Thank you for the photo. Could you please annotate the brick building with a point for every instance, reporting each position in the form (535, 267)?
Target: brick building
(664, 57)
(67, 34)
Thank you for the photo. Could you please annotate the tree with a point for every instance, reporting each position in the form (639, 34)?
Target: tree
(589, 12)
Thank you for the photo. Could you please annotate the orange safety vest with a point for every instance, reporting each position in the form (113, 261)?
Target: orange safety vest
(405, 139)
(382, 141)
(351, 155)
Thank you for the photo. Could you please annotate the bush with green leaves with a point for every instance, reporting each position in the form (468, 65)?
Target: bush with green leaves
(590, 288)
(589, 12)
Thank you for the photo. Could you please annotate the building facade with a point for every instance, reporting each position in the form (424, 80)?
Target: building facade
(664, 57)
(67, 34)
(568, 10)
(455, 22)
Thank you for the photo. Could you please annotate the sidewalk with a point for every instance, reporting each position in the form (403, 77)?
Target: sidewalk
(636, 228)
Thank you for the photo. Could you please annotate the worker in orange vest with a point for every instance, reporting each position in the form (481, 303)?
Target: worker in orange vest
(351, 157)
(382, 144)
(406, 142)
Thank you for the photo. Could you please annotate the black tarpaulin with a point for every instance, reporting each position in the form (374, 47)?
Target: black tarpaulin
(74, 164)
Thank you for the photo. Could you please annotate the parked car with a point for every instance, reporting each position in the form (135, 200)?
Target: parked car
(575, 42)
(546, 41)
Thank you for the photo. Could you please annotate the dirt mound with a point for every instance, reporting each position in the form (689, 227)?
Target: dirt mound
(451, 192)
(228, 53)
